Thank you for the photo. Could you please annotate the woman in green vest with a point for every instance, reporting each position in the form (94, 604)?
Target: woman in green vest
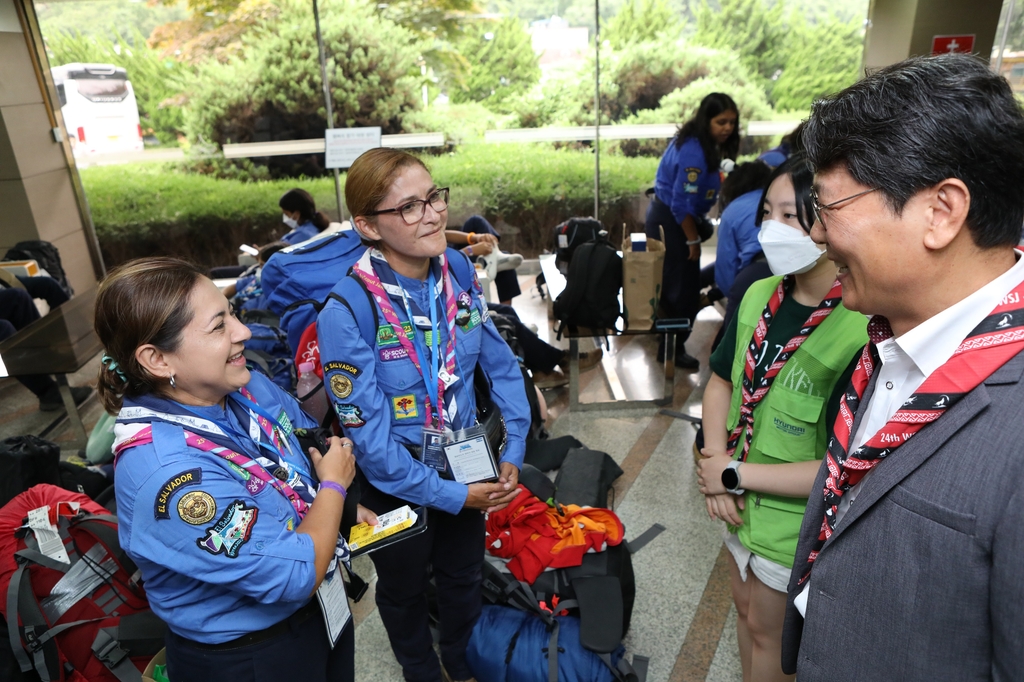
(764, 411)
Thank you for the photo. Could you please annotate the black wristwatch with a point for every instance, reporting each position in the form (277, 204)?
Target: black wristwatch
(731, 478)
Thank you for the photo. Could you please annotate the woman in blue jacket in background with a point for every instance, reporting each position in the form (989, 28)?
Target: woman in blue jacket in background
(401, 338)
(686, 188)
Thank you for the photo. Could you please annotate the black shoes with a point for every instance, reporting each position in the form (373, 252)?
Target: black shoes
(686, 361)
(51, 400)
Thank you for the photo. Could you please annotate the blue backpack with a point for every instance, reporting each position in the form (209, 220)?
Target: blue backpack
(267, 351)
(297, 280)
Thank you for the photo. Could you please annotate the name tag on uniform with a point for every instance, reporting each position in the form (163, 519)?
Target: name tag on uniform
(469, 456)
(334, 604)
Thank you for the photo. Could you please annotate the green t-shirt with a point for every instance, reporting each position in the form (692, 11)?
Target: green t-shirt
(789, 319)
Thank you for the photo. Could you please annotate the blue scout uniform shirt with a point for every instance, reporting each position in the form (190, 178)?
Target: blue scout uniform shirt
(265, 570)
(684, 182)
(379, 395)
(737, 238)
(301, 233)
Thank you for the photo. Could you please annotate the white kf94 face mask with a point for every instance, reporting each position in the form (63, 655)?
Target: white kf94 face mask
(290, 222)
(790, 251)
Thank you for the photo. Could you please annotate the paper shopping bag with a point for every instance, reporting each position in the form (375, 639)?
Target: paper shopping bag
(641, 282)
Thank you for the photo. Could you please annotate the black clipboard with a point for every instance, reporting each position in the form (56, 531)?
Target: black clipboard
(413, 530)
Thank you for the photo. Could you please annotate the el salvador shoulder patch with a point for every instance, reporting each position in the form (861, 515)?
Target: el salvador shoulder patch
(349, 415)
(343, 367)
(692, 174)
(232, 530)
(173, 485)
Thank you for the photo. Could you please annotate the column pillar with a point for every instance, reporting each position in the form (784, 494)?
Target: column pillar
(898, 29)
(40, 191)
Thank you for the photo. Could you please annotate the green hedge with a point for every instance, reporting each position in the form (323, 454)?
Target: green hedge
(143, 210)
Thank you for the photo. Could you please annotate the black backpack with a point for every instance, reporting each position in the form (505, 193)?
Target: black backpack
(570, 235)
(48, 258)
(591, 295)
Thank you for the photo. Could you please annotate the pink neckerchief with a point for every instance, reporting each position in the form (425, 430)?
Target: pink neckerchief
(258, 476)
(364, 269)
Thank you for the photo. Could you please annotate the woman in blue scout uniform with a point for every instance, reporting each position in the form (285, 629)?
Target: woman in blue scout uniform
(298, 210)
(394, 373)
(685, 188)
(234, 527)
(764, 412)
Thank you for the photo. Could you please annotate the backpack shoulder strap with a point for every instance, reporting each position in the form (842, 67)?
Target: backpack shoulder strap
(362, 307)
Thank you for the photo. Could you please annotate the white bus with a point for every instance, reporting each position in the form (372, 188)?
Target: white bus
(99, 108)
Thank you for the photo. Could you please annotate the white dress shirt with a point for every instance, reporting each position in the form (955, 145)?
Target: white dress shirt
(906, 361)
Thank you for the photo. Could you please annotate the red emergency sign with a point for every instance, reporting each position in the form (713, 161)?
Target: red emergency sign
(947, 44)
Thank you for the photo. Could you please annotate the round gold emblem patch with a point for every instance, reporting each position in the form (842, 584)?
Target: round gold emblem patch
(341, 386)
(196, 507)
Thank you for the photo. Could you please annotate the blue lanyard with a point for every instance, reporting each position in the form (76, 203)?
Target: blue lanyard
(433, 362)
(242, 437)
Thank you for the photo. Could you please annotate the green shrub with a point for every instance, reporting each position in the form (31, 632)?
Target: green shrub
(502, 63)
(142, 210)
(460, 123)
(823, 59)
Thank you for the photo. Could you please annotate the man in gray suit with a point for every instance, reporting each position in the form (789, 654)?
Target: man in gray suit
(910, 564)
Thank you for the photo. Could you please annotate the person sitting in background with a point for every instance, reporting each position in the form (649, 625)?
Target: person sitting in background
(791, 143)
(17, 311)
(482, 240)
(247, 292)
(737, 230)
(299, 213)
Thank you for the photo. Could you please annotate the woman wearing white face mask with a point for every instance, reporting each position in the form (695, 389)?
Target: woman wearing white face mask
(764, 412)
(298, 211)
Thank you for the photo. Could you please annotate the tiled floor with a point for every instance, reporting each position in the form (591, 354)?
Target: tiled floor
(683, 618)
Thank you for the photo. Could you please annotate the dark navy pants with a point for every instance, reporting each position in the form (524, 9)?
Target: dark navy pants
(17, 310)
(538, 355)
(680, 285)
(301, 654)
(453, 546)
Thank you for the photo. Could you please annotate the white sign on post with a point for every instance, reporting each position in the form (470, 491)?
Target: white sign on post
(344, 145)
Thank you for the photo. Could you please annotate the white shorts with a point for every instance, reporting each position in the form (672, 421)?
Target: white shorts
(775, 576)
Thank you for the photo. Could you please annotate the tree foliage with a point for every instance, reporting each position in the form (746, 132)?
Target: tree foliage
(640, 21)
(751, 28)
(274, 91)
(157, 81)
(214, 29)
(822, 58)
(105, 18)
(502, 63)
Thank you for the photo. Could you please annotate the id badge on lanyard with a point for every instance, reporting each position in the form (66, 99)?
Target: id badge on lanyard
(334, 604)
(464, 456)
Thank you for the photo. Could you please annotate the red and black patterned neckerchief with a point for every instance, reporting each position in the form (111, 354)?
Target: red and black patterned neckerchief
(995, 340)
(751, 395)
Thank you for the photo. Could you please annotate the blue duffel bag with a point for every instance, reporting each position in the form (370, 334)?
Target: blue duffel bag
(510, 645)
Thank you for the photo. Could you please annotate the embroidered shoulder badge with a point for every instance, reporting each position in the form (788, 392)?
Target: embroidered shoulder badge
(404, 406)
(173, 485)
(692, 174)
(341, 386)
(231, 531)
(197, 507)
(349, 415)
(343, 367)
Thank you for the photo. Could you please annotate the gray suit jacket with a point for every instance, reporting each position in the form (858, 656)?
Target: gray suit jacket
(923, 579)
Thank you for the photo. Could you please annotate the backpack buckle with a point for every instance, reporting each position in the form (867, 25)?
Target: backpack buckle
(110, 654)
(32, 643)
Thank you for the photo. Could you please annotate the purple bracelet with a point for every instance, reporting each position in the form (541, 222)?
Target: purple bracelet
(331, 485)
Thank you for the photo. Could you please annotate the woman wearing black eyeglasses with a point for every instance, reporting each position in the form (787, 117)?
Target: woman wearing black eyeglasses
(401, 340)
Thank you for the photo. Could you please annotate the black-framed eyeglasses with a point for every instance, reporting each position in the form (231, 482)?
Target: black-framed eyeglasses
(413, 210)
(819, 209)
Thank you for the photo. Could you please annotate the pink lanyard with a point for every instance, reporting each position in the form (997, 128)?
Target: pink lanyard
(364, 270)
(258, 476)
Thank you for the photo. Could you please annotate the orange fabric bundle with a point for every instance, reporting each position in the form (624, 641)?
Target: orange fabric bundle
(534, 536)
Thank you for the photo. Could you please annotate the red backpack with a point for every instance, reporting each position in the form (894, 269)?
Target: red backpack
(82, 620)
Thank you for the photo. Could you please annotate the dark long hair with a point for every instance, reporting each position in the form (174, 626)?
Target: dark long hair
(799, 170)
(700, 127)
(302, 201)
